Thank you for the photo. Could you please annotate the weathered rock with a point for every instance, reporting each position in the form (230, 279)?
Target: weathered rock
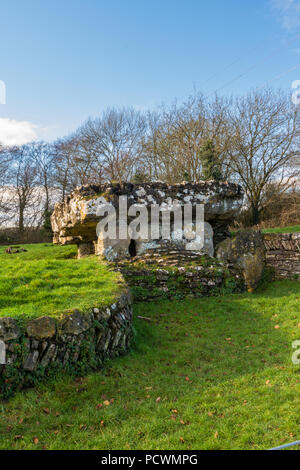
(42, 328)
(75, 323)
(178, 275)
(123, 300)
(208, 247)
(245, 250)
(9, 329)
(31, 361)
(2, 353)
(34, 344)
(75, 220)
(47, 343)
(85, 249)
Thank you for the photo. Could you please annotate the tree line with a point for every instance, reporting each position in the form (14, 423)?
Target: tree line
(252, 140)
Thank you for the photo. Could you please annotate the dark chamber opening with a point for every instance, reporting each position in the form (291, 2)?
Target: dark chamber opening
(132, 248)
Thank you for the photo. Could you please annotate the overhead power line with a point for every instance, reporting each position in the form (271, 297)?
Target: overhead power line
(280, 76)
(252, 67)
(228, 66)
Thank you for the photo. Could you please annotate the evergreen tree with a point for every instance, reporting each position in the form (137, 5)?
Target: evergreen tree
(211, 164)
(47, 227)
(140, 177)
(187, 176)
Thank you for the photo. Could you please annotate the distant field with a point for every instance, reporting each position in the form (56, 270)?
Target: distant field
(291, 229)
(48, 279)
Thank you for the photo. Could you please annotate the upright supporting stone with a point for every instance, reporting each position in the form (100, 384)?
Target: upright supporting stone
(245, 250)
(85, 249)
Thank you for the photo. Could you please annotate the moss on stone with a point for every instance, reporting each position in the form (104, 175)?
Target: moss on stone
(159, 277)
(245, 250)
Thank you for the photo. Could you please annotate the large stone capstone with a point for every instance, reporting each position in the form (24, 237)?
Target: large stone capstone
(75, 220)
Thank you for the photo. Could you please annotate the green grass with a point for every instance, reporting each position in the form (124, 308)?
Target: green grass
(292, 229)
(211, 373)
(48, 279)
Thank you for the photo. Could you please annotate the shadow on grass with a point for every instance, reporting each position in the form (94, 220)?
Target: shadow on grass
(217, 337)
(201, 362)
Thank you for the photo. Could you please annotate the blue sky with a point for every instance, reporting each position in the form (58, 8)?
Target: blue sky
(65, 60)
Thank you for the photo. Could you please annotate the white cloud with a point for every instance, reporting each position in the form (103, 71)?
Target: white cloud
(282, 4)
(14, 132)
(288, 12)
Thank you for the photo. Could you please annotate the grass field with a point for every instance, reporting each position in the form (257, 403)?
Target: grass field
(48, 279)
(292, 229)
(211, 373)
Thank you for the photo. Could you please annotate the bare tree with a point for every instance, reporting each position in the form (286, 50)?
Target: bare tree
(264, 143)
(176, 136)
(149, 162)
(5, 176)
(86, 163)
(181, 134)
(113, 143)
(24, 182)
(65, 174)
(42, 155)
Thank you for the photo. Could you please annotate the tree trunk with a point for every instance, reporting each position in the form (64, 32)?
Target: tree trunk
(255, 214)
(47, 199)
(21, 219)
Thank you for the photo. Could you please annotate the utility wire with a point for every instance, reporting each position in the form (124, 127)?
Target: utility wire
(216, 74)
(280, 76)
(248, 70)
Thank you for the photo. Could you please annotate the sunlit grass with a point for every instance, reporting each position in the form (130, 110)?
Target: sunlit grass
(211, 373)
(48, 279)
(291, 229)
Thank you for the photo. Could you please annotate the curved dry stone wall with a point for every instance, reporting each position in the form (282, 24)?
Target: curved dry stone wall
(76, 343)
(283, 254)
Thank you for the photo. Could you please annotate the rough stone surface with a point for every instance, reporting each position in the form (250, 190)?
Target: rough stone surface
(77, 340)
(2, 352)
(42, 328)
(9, 329)
(178, 274)
(245, 250)
(75, 220)
(74, 324)
(31, 361)
(85, 249)
(283, 254)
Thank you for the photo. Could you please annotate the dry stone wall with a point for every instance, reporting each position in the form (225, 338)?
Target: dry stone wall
(283, 254)
(177, 275)
(76, 343)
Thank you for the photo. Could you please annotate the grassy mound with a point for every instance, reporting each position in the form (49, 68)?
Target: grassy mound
(210, 373)
(48, 280)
